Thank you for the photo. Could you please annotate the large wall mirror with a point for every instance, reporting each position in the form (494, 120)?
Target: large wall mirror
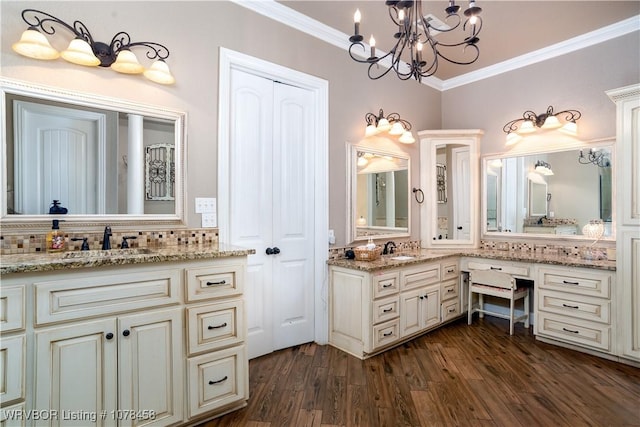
(103, 160)
(378, 204)
(551, 192)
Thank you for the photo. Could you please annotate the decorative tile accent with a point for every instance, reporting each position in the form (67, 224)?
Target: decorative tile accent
(36, 243)
(339, 252)
(580, 250)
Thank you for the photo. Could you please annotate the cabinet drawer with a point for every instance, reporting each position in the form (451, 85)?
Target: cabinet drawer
(386, 333)
(12, 367)
(449, 270)
(516, 270)
(450, 310)
(218, 379)
(93, 296)
(595, 309)
(576, 281)
(417, 278)
(12, 308)
(386, 309)
(14, 421)
(385, 284)
(575, 331)
(450, 290)
(215, 326)
(214, 281)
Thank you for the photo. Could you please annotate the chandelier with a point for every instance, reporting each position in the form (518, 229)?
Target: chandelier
(84, 50)
(392, 123)
(546, 121)
(417, 40)
(596, 157)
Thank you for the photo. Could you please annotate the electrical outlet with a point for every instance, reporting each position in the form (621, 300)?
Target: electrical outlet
(205, 205)
(209, 220)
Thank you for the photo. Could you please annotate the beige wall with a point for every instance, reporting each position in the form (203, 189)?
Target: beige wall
(194, 31)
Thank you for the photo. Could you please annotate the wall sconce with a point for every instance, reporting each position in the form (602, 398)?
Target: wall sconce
(84, 50)
(530, 121)
(392, 124)
(543, 168)
(597, 157)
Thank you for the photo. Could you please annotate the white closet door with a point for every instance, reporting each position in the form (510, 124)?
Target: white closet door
(271, 206)
(461, 187)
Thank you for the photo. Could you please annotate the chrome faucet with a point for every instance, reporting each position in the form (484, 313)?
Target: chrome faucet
(106, 239)
(389, 247)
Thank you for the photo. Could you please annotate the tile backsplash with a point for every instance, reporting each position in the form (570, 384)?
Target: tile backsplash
(36, 242)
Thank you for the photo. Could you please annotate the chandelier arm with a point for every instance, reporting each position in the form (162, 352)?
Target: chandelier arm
(471, 61)
(45, 23)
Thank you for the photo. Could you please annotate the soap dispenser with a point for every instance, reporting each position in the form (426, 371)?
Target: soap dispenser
(55, 238)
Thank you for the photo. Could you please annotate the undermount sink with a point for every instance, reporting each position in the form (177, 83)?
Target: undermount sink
(107, 253)
(402, 257)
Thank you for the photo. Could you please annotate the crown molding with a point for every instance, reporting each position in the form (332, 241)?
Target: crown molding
(287, 16)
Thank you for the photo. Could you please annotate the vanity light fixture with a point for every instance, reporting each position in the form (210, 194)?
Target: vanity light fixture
(84, 50)
(543, 168)
(530, 122)
(417, 40)
(596, 157)
(392, 123)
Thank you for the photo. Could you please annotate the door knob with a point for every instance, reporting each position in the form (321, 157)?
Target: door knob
(460, 228)
(273, 251)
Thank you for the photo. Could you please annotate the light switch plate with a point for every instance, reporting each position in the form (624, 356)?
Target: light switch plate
(205, 205)
(209, 220)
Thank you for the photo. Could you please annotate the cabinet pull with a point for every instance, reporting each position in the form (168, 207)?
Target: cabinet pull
(566, 282)
(221, 282)
(219, 381)
(218, 326)
(388, 285)
(571, 306)
(126, 332)
(451, 310)
(496, 268)
(386, 334)
(109, 336)
(450, 290)
(569, 330)
(451, 271)
(386, 310)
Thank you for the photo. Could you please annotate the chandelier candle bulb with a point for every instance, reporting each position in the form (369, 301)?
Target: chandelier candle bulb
(372, 43)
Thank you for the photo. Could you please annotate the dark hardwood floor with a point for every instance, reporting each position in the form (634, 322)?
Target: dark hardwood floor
(458, 375)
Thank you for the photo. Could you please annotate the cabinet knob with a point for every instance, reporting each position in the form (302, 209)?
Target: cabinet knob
(109, 336)
(126, 332)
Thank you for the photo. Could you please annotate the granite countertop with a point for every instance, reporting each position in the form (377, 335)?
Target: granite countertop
(426, 255)
(35, 262)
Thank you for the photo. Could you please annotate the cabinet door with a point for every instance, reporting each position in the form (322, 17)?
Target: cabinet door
(431, 306)
(150, 369)
(76, 372)
(419, 309)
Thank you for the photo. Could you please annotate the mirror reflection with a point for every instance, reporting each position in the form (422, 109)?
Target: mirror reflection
(452, 192)
(379, 203)
(88, 158)
(549, 193)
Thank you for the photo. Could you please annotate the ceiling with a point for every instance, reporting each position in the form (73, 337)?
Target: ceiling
(510, 28)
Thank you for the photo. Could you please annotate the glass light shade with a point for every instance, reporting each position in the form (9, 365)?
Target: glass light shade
(544, 170)
(159, 73)
(370, 130)
(34, 44)
(570, 128)
(383, 125)
(527, 127)
(396, 129)
(127, 63)
(495, 163)
(551, 122)
(593, 230)
(79, 52)
(362, 161)
(513, 138)
(407, 138)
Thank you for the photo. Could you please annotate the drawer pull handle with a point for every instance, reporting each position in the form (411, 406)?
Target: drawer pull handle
(496, 268)
(219, 381)
(566, 282)
(221, 282)
(451, 310)
(450, 290)
(218, 326)
(387, 334)
(386, 310)
(451, 271)
(571, 306)
(569, 330)
(388, 285)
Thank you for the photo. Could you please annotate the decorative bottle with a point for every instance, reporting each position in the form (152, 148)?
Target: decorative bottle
(55, 238)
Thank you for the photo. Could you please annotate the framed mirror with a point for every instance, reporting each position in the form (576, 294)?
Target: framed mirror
(553, 192)
(378, 196)
(92, 159)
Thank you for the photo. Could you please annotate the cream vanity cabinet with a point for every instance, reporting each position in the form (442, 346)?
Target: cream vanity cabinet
(370, 311)
(574, 305)
(127, 343)
(627, 101)
(12, 352)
